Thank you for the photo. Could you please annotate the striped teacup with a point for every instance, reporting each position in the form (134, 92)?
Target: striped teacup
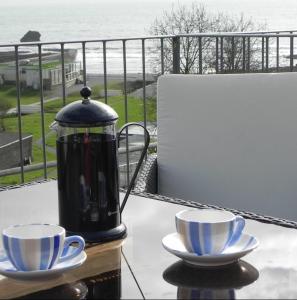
(208, 231)
(33, 247)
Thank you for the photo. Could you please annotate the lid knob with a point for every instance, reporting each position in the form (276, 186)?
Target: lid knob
(86, 112)
(86, 92)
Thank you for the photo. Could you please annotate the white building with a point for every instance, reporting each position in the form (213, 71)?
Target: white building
(29, 75)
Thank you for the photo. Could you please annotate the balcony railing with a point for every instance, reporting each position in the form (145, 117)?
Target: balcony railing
(148, 57)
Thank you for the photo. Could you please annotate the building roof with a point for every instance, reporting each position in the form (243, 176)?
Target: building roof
(9, 137)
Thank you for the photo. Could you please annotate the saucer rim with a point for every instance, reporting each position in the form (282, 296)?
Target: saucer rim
(57, 269)
(250, 248)
(209, 260)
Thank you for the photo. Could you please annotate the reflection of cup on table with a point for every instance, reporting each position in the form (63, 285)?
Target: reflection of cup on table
(212, 283)
(38, 246)
(208, 231)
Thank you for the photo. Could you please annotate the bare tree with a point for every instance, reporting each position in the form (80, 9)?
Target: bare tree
(235, 47)
(195, 19)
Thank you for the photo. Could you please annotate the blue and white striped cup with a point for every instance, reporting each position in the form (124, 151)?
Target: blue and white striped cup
(208, 231)
(34, 247)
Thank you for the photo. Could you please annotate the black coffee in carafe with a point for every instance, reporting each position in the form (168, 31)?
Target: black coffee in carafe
(88, 181)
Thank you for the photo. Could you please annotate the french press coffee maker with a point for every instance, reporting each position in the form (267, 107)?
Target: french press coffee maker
(87, 167)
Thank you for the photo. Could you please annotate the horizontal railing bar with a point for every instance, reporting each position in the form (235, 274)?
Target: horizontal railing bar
(242, 34)
(50, 164)
(130, 165)
(136, 148)
(29, 168)
(207, 34)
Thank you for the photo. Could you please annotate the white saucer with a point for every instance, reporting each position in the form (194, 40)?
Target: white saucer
(7, 269)
(246, 244)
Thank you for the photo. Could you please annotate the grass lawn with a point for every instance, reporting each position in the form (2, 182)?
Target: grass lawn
(46, 65)
(135, 110)
(28, 96)
(29, 176)
(32, 124)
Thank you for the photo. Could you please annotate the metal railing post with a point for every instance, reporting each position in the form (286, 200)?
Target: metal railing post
(291, 53)
(243, 55)
(176, 55)
(232, 53)
(222, 54)
(63, 74)
(200, 54)
(217, 55)
(105, 71)
(162, 56)
(42, 110)
(267, 54)
(248, 67)
(84, 63)
(143, 83)
(17, 71)
(263, 45)
(126, 109)
(277, 54)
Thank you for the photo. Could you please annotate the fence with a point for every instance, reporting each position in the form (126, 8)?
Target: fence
(185, 53)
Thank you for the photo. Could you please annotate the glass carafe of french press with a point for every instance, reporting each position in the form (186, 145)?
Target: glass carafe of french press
(87, 166)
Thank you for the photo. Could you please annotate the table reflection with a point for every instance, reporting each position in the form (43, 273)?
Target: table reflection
(78, 290)
(98, 278)
(211, 283)
(105, 286)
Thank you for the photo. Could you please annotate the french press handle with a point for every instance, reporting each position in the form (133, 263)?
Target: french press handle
(143, 153)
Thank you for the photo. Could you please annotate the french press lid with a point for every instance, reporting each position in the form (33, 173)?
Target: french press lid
(86, 112)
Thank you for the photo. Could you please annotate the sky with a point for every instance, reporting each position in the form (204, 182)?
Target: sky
(84, 2)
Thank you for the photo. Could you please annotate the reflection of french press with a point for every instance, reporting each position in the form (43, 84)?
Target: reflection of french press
(87, 164)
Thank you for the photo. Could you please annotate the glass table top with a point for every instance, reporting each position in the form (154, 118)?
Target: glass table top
(139, 266)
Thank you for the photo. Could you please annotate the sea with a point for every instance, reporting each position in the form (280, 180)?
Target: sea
(76, 20)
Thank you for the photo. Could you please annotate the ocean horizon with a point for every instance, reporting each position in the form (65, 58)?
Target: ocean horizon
(70, 20)
(91, 19)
